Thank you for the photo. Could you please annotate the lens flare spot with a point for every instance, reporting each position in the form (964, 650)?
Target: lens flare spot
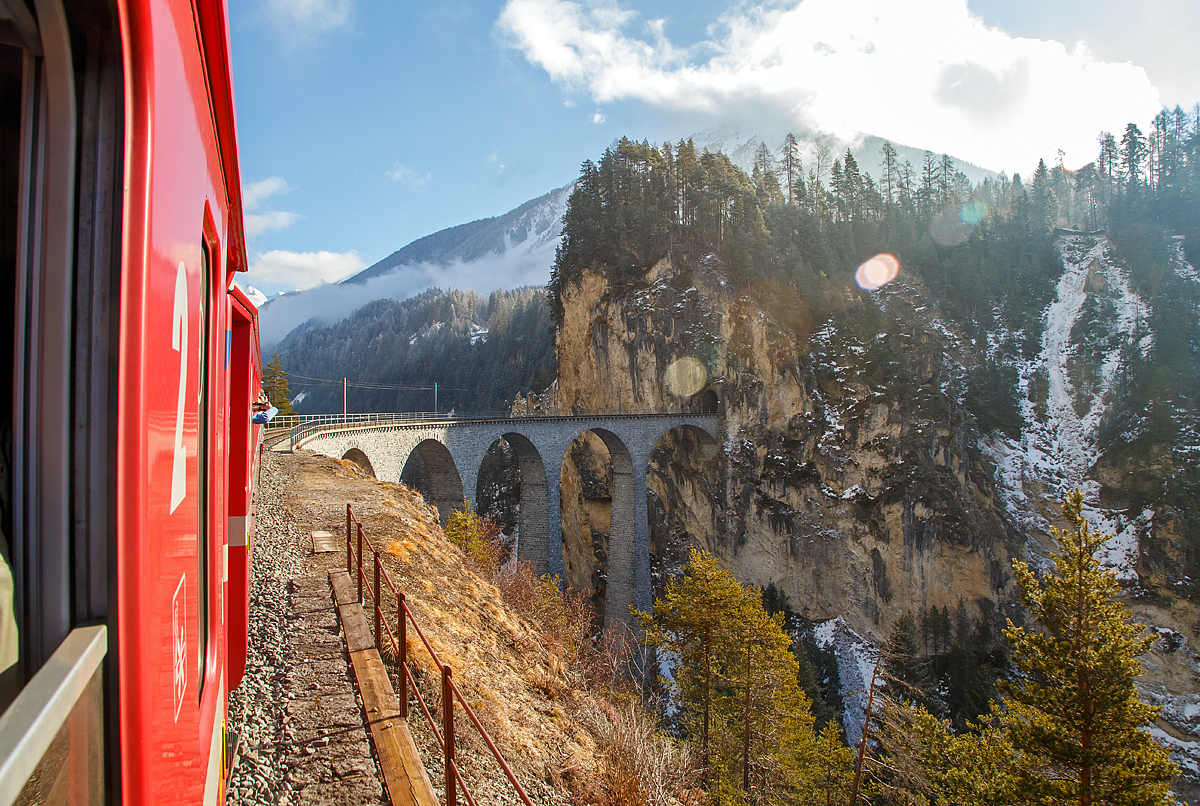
(877, 272)
(686, 376)
(972, 212)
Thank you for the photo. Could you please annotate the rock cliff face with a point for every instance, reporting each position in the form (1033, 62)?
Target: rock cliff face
(849, 472)
(852, 499)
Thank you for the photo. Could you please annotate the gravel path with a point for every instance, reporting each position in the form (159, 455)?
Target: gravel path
(300, 723)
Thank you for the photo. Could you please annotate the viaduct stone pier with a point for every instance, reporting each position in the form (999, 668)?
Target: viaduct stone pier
(453, 449)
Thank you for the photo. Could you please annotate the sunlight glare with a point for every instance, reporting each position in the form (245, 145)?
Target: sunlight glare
(972, 212)
(686, 376)
(877, 272)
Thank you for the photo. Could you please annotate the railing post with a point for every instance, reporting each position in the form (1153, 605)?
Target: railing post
(402, 654)
(360, 575)
(349, 553)
(448, 736)
(378, 601)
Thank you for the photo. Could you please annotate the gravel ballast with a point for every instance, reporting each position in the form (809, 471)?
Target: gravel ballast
(301, 726)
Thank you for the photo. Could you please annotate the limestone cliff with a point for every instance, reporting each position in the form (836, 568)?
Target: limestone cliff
(852, 501)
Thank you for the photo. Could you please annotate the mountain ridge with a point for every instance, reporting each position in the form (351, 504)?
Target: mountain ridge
(522, 239)
(474, 239)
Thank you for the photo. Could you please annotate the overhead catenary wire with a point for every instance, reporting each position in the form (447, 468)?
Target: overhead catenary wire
(307, 380)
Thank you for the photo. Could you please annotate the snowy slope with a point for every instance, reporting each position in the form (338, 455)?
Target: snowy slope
(508, 251)
(1093, 325)
(856, 660)
(1096, 324)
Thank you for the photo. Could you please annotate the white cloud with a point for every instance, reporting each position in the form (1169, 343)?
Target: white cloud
(598, 117)
(253, 193)
(300, 22)
(925, 73)
(501, 168)
(302, 270)
(258, 223)
(329, 304)
(405, 175)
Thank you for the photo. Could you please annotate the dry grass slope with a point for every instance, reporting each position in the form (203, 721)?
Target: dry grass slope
(571, 736)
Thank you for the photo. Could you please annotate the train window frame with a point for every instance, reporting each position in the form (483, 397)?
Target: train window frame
(210, 251)
(41, 516)
(64, 305)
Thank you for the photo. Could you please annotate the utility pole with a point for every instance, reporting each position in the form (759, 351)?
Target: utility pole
(435, 397)
(343, 398)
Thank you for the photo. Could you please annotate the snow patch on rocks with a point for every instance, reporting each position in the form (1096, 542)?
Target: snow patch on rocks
(1059, 442)
(856, 660)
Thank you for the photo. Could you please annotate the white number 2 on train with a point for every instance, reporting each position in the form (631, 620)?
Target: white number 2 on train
(179, 341)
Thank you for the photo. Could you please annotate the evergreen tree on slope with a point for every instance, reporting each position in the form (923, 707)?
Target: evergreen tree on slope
(275, 384)
(735, 681)
(1075, 716)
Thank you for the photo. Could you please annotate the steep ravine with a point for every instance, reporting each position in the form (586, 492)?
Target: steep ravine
(849, 472)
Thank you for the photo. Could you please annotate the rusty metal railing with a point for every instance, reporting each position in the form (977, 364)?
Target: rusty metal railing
(398, 642)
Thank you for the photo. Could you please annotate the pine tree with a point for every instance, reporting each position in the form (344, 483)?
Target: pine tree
(478, 536)
(891, 175)
(927, 195)
(773, 715)
(972, 768)
(832, 769)
(1133, 156)
(275, 385)
(793, 168)
(1075, 715)
(766, 183)
(734, 678)
(906, 670)
(1043, 200)
(946, 176)
(855, 190)
(691, 623)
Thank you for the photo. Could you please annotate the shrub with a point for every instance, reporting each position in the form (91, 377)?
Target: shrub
(638, 762)
(612, 661)
(479, 538)
(564, 615)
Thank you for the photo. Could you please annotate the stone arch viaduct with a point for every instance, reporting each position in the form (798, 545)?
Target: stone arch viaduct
(454, 449)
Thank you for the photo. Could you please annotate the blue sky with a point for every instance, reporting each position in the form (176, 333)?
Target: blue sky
(365, 124)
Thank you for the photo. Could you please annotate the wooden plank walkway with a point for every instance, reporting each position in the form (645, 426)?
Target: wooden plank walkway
(325, 542)
(404, 776)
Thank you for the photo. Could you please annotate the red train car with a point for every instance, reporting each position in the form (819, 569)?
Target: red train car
(127, 453)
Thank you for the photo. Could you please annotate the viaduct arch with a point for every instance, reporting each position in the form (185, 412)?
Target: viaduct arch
(453, 451)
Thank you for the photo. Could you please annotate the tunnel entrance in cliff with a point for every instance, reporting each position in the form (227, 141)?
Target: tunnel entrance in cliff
(706, 401)
(684, 491)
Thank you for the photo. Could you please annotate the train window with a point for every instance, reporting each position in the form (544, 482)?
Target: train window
(61, 152)
(11, 68)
